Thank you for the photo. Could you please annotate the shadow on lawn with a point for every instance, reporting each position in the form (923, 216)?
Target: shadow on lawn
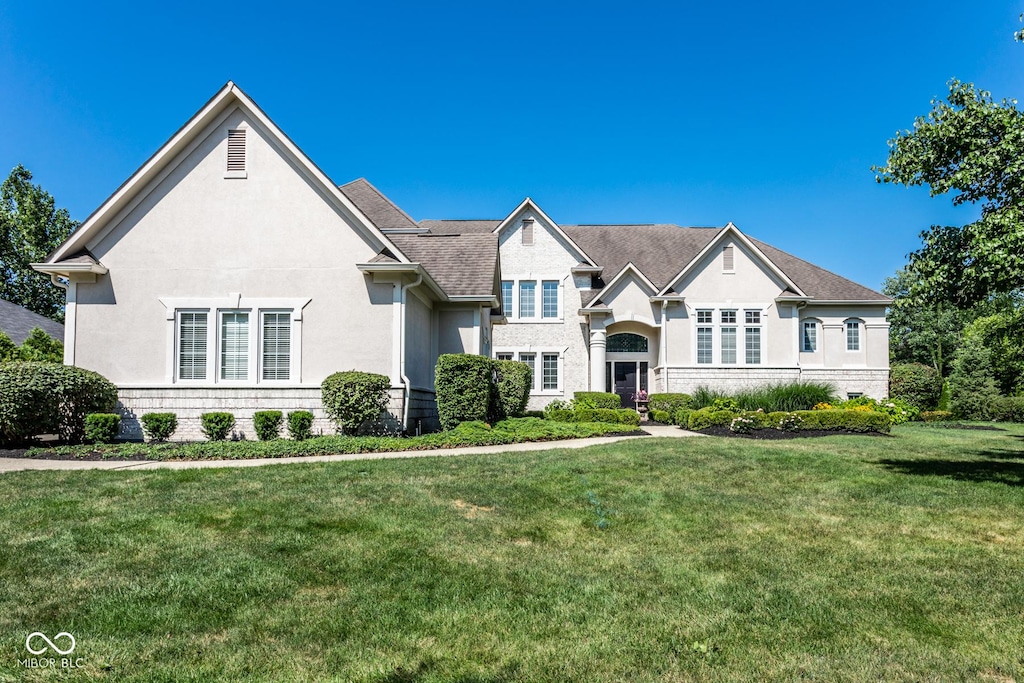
(507, 674)
(1009, 473)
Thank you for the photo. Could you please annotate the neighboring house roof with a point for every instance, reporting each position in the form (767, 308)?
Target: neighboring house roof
(463, 265)
(17, 322)
(381, 211)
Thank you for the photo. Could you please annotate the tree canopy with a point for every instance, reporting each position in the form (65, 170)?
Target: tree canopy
(31, 226)
(973, 148)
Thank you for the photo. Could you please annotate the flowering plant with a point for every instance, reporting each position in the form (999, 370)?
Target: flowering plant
(640, 395)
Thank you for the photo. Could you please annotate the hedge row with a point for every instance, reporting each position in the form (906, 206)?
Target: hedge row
(808, 420)
(474, 388)
(596, 399)
(623, 416)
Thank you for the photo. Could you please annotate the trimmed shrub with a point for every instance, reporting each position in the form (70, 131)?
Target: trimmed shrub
(710, 417)
(1007, 409)
(267, 424)
(662, 416)
(300, 425)
(49, 398)
(850, 420)
(534, 413)
(597, 399)
(559, 415)
(353, 398)
(462, 383)
(628, 416)
(936, 416)
(608, 415)
(102, 427)
(918, 384)
(682, 417)
(726, 403)
(217, 426)
(159, 426)
(670, 403)
(512, 383)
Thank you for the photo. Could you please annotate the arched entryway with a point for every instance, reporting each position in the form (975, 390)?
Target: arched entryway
(628, 363)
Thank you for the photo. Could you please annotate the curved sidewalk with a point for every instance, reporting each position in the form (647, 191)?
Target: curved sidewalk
(23, 464)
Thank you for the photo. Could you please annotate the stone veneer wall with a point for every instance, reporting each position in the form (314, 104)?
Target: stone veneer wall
(870, 382)
(188, 403)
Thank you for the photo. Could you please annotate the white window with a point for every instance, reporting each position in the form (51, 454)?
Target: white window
(277, 345)
(550, 368)
(506, 298)
(549, 299)
(852, 335)
(531, 360)
(527, 296)
(728, 345)
(507, 355)
(234, 345)
(192, 345)
(810, 336)
(752, 335)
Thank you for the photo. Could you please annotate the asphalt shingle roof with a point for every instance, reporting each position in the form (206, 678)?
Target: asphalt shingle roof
(17, 322)
(381, 211)
(463, 265)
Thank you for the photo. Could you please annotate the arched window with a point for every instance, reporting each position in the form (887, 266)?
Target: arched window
(627, 342)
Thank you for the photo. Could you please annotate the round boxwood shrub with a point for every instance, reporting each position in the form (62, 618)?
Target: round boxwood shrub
(267, 424)
(918, 384)
(159, 426)
(48, 398)
(463, 387)
(102, 427)
(353, 398)
(300, 425)
(670, 403)
(216, 426)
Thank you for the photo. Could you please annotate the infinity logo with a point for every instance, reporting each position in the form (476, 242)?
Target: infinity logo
(37, 634)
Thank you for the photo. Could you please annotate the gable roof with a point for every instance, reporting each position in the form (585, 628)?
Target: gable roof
(530, 204)
(184, 140)
(381, 211)
(462, 265)
(17, 322)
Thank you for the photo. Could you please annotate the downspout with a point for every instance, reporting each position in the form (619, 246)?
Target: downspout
(406, 384)
(664, 346)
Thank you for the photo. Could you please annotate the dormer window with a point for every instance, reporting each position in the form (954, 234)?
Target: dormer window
(236, 153)
(528, 232)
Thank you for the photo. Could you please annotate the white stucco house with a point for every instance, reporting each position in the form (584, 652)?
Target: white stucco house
(230, 273)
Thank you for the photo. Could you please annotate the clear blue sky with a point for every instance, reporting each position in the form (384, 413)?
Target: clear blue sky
(766, 114)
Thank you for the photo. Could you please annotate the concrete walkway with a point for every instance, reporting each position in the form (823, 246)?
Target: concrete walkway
(22, 464)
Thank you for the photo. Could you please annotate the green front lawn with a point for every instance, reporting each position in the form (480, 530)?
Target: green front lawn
(842, 558)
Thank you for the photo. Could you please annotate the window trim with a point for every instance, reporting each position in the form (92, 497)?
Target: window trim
(538, 281)
(714, 313)
(858, 325)
(815, 324)
(214, 306)
(538, 352)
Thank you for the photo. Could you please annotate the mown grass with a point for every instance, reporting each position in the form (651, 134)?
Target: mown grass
(844, 558)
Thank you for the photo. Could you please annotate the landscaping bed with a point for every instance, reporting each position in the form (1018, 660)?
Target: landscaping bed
(778, 434)
(513, 430)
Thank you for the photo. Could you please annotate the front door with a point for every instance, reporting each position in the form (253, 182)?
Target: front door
(624, 383)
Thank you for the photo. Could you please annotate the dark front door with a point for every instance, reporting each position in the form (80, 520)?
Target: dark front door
(624, 383)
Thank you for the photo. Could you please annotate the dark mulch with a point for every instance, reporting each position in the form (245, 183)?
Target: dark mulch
(960, 425)
(777, 434)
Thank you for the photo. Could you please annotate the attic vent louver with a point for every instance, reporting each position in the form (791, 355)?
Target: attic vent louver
(528, 231)
(236, 150)
(728, 260)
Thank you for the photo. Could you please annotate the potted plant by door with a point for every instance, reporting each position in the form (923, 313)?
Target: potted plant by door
(642, 402)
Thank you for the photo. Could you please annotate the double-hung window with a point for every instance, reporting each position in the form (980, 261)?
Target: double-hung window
(852, 335)
(728, 335)
(549, 378)
(549, 301)
(527, 296)
(752, 336)
(192, 344)
(810, 336)
(705, 337)
(222, 345)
